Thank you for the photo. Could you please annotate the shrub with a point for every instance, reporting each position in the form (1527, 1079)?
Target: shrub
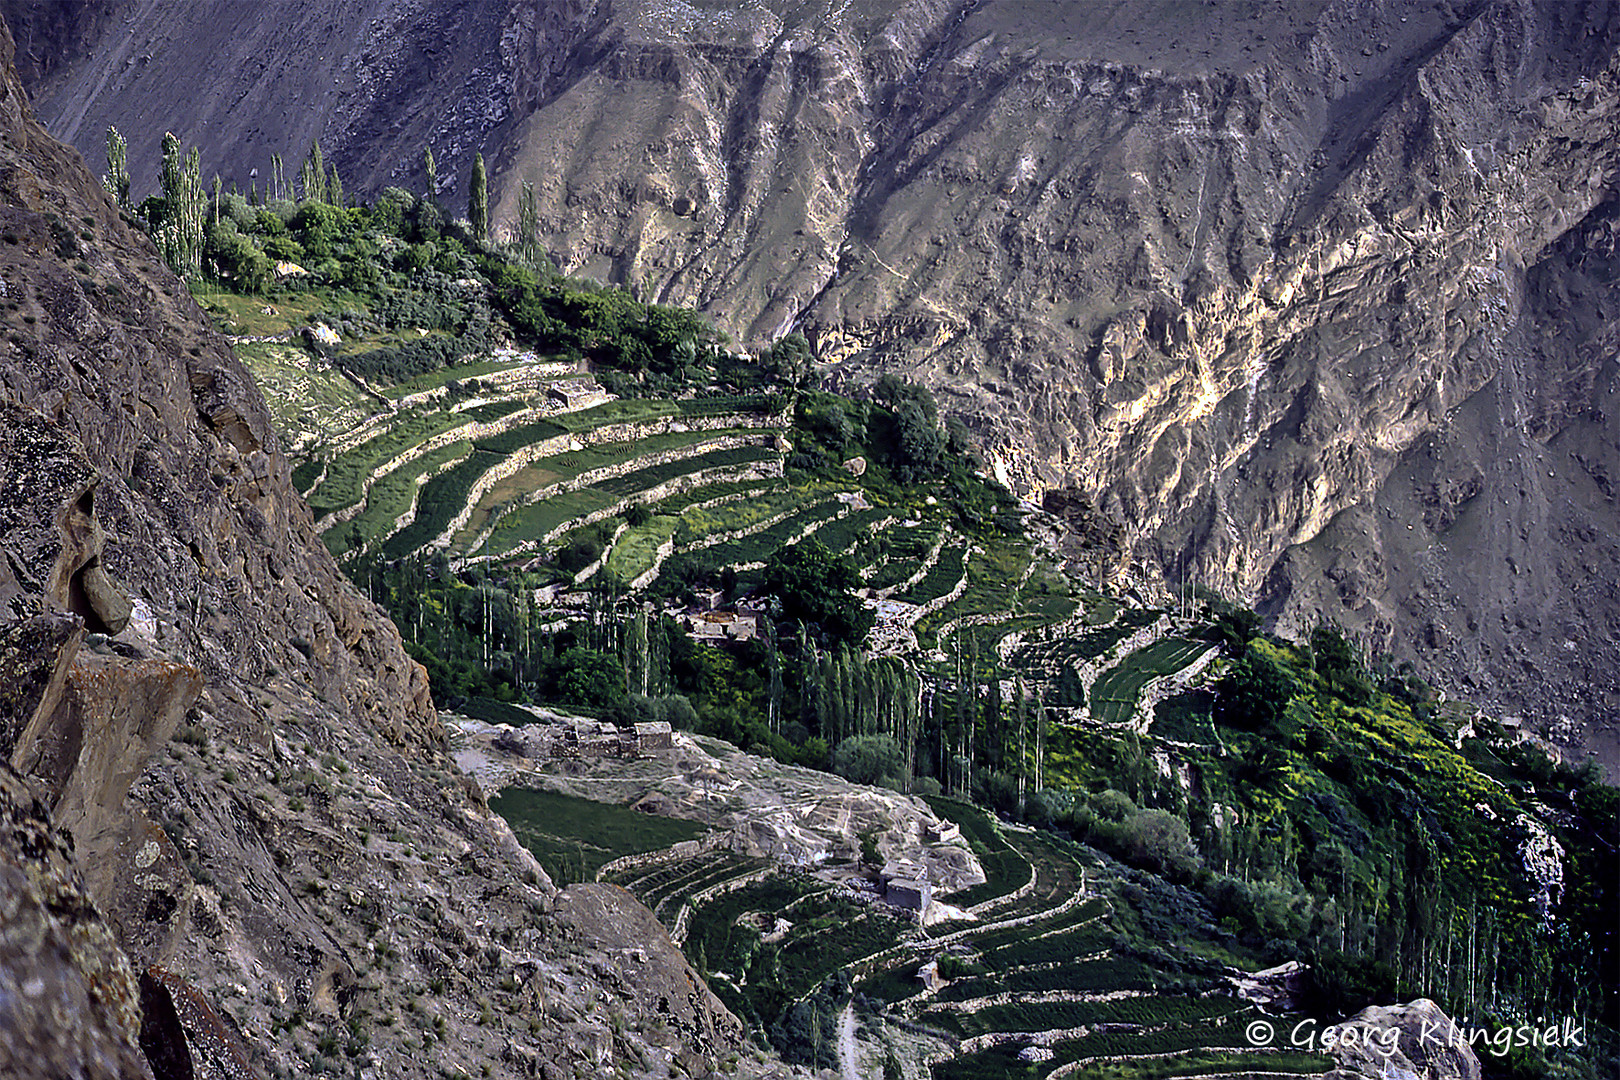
(867, 759)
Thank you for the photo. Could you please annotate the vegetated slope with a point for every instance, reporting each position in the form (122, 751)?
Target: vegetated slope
(1306, 296)
(299, 874)
(1028, 692)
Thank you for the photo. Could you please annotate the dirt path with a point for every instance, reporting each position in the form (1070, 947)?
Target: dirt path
(846, 1044)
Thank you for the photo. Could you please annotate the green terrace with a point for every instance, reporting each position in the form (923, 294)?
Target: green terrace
(1115, 693)
(527, 525)
(667, 887)
(942, 577)
(444, 499)
(391, 497)
(573, 838)
(906, 550)
(756, 547)
(348, 473)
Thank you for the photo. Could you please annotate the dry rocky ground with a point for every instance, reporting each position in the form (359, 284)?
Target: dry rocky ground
(233, 843)
(1312, 299)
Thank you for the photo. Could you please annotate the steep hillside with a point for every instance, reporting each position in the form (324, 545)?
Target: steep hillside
(1311, 298)
(298, 880)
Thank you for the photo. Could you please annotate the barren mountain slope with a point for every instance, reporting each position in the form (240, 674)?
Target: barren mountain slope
(298, 877)
(1312, 297)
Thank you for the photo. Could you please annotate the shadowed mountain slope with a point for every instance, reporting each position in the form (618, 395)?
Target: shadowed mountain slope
(1316, 300)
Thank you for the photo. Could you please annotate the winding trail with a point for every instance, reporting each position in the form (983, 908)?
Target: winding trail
(846, 1043)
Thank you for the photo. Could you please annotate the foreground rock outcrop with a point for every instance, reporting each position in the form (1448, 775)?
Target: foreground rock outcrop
(1414, 1039)
(1312, 300)
(231, 844)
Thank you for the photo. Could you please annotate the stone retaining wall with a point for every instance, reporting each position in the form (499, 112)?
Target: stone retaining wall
(926, 565)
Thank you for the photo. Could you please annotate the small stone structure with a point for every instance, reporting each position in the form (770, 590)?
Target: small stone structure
(574, 394)
(654, 735)
(909, 895)
(905, 885)
(722, 626)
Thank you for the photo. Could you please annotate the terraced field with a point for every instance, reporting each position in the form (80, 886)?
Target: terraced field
(1115, 693)
(755, 547)
(478, 458)
(1050, 965)
(945, 575)
(668, 887)
(1046, 961)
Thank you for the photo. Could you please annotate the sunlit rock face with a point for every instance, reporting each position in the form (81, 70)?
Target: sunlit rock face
(1314, 300)
(231, 842)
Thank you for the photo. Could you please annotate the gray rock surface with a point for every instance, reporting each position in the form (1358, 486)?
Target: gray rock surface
(1312, 300)
(274, 868)
(1416, 1039)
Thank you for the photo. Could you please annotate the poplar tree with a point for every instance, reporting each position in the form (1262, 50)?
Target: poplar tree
(478, 199)
(431, 168)
(528, 226)
(312, 177)
(117, 179)
(180, 235)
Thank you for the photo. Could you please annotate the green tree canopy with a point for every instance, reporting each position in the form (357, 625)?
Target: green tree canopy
(589, 678)
(817, 587)
(1255, 692)
(868, 759)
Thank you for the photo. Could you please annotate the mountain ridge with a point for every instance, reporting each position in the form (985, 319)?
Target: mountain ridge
(1260, 284)
(233, 842)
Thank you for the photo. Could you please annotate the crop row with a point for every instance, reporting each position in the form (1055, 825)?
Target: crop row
(907, 548)
(1053, 1015)
(346, 474)
(846, 532)
(653, 475)
(1114, 694)
(1047, 949)
(941, 579)
(1110, 973)
(704, 525)
(1085, 646)
(391, 496)
(530, 524)
(1082, 915)
(445, 497)
(753, 548)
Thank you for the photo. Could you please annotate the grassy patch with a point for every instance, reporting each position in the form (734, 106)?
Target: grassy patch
(1115, 693)
(573, 838)
(633, 555)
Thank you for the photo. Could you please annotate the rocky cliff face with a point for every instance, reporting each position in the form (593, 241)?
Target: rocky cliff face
(230, 841)
(1313, 299)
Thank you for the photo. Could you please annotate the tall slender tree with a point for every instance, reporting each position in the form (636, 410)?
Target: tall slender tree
(117, 178)
(528, 236)
(179, 236)
(478, 199)
(312, 177)
(431, 169)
